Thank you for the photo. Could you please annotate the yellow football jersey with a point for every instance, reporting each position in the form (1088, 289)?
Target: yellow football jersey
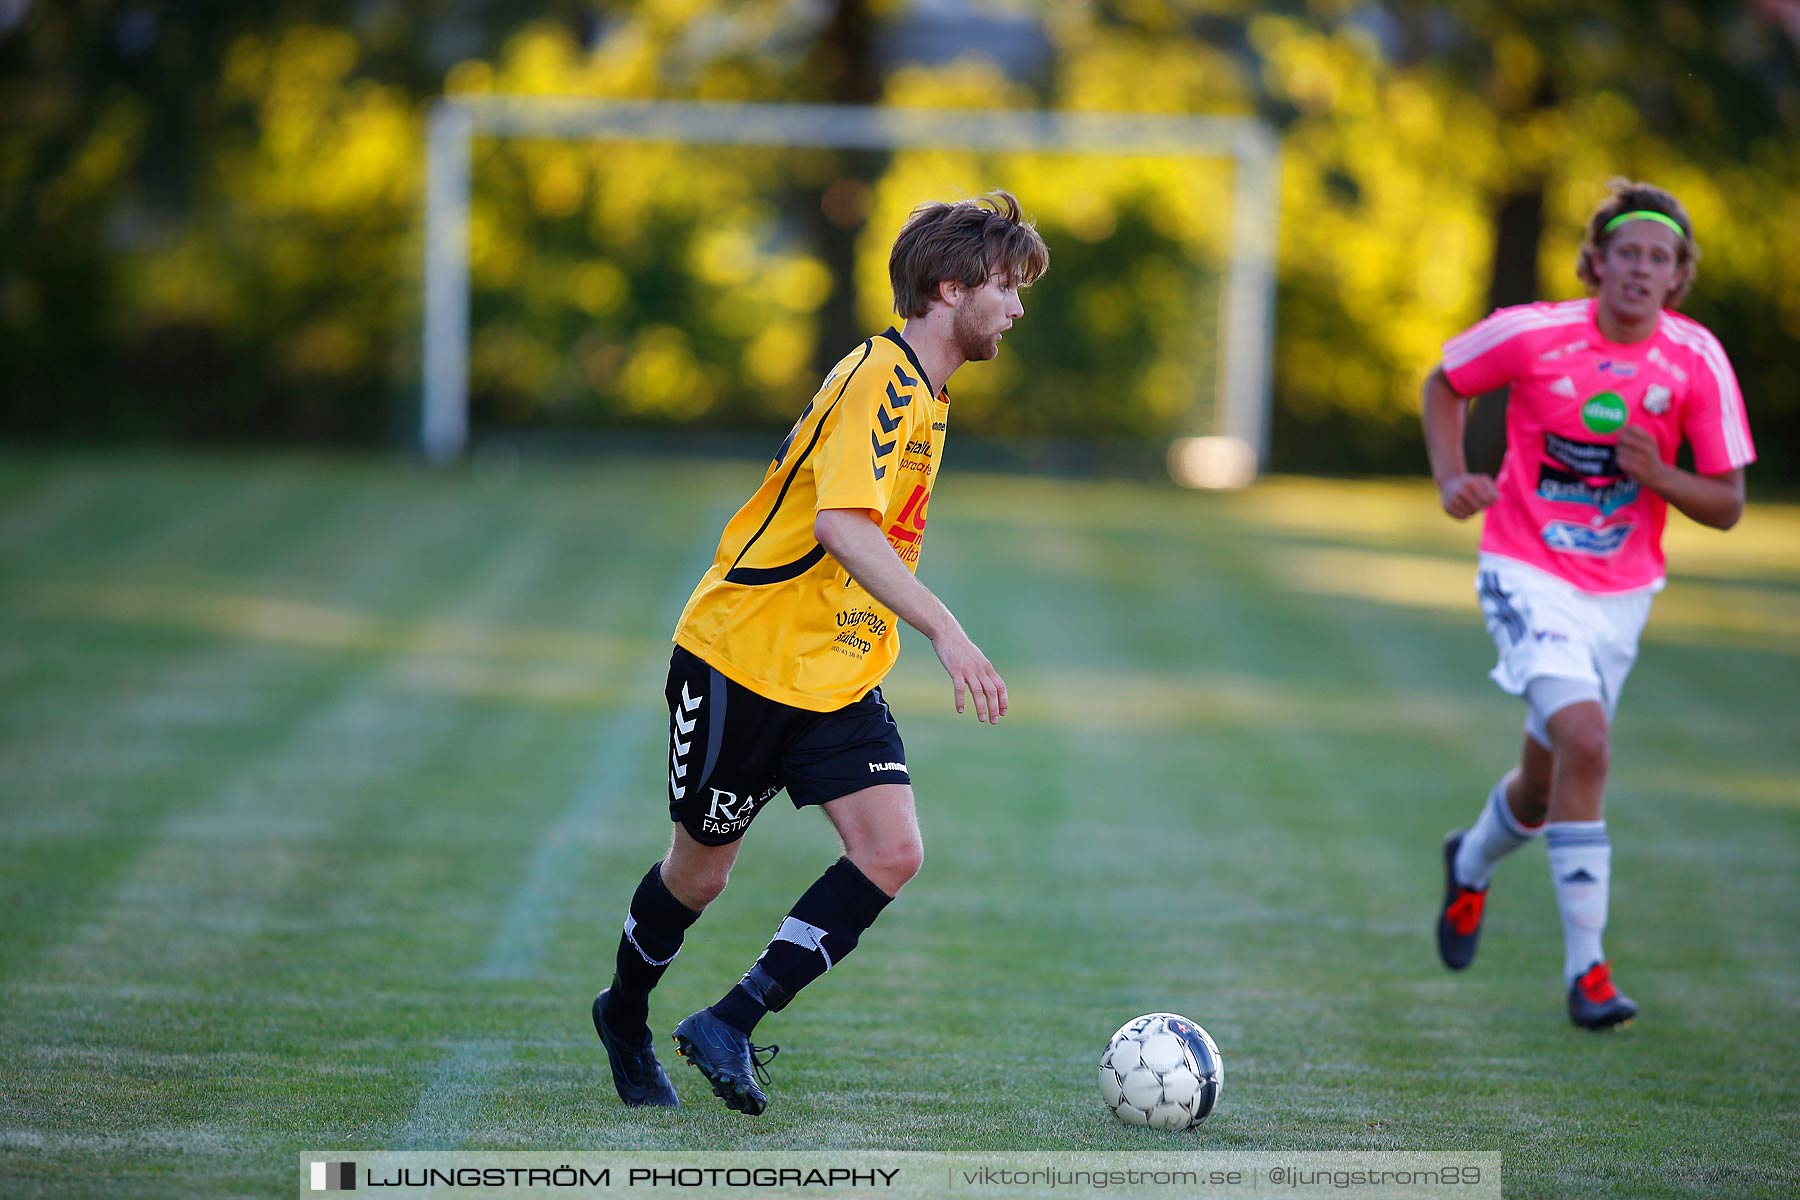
(775, 612)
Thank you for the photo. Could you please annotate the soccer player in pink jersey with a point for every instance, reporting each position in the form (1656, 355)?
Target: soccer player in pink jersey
(1603, 393)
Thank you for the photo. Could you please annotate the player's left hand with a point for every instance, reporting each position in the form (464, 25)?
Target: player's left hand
(972, 674)
(1639, 456)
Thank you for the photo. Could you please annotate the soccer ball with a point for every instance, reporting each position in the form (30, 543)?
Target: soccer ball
(1161, 1070)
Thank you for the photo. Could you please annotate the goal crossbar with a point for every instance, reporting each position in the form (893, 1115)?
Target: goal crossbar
(1246, 325)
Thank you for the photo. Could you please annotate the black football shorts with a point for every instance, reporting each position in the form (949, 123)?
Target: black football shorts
(731, 750)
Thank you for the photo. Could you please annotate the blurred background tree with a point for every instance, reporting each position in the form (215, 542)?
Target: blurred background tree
(210, 213)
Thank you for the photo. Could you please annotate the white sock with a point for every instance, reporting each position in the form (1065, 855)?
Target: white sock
(1581, 869)
(1495, 834)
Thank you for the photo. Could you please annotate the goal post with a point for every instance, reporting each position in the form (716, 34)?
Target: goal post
(1231, 452)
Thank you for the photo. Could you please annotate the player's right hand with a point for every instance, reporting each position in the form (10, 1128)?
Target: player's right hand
(972, 674)
(1465, 495)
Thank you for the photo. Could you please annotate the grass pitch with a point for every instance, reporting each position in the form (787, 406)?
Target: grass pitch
(323, 786)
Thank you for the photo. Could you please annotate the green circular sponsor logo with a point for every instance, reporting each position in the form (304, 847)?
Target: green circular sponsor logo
(1604, 413)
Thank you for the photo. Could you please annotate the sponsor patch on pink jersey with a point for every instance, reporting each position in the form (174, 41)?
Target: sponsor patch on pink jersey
(1564, 506)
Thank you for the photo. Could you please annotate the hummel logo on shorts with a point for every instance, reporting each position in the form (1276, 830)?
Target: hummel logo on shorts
(877, 768)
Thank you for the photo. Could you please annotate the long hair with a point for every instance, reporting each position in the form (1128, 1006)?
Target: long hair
(1629, 195)
(966, 242)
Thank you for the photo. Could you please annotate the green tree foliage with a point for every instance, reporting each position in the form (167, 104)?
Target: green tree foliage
(188, 203)
(1442, 159)
(209, 214)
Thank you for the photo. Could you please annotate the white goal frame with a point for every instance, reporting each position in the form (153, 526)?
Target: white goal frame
(1247, 323)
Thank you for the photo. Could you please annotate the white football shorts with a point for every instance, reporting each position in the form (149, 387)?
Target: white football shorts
(1547, 628)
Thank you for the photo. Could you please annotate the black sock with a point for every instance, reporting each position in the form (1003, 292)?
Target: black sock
(652, 938)
(820, 930)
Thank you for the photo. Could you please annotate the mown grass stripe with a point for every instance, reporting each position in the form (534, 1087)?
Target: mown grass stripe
(451, 1103)
(454, 1098)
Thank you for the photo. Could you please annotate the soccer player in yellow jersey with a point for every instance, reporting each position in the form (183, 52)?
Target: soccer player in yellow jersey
(781, 650)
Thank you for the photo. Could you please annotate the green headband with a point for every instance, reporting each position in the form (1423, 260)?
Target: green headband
(1644, 214)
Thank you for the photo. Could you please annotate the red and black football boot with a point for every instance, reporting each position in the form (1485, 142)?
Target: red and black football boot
(1594, 1003)
(1459, 922)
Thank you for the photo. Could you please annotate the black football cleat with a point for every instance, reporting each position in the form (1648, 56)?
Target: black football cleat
(639, 1078)
(1594, 1003)
(1459, 921)
(727, 1059)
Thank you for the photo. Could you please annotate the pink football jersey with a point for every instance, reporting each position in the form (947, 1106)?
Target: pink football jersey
(1564, 506)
